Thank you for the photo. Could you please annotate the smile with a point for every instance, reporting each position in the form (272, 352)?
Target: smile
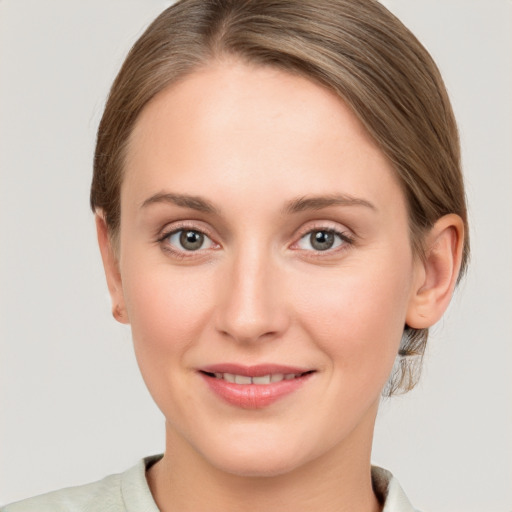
(253, 387)
(261, 380)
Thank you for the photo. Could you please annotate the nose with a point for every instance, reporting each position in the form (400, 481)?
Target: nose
(252, 304)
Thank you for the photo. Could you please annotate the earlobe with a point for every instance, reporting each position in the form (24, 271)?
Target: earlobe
(112, 273)
(438, 272)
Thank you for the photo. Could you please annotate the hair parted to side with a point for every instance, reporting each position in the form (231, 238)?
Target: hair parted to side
(356, 48)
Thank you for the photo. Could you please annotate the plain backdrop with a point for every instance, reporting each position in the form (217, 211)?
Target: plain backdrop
(73, 407)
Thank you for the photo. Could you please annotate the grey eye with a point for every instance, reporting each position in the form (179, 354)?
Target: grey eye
(320, 240)
(189, 240)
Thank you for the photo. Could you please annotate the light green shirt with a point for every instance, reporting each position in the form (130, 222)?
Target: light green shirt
(129, 492)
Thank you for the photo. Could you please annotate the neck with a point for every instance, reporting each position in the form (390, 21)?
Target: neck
(339, 480)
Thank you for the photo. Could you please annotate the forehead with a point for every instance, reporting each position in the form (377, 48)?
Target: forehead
(252, 129)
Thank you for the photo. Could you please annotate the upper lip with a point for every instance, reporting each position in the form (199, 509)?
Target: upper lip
(257, 370)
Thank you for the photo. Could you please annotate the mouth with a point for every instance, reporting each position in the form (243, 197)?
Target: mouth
(254, 387)
(260, 380)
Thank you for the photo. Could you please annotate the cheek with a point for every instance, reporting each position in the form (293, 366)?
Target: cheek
(167, 309)
(356, 316)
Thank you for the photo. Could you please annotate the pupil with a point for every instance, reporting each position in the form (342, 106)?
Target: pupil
(322, 240)
(191, 240)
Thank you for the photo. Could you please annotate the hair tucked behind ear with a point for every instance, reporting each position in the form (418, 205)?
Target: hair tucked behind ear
(354, 47)
(407, 367)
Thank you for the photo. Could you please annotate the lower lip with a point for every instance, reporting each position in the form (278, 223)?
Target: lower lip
(254, 396)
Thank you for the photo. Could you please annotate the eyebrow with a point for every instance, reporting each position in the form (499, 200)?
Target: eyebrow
(319, 202)
(294, 206)
(184, 200)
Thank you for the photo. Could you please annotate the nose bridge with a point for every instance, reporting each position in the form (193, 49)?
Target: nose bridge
(252, 305)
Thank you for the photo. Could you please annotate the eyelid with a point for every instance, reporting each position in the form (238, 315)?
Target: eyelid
(175, 227)
(192, 225)
(344, 233)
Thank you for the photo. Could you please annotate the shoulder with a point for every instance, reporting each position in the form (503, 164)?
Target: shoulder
(389, 491)
(73, 498)
(107, 495)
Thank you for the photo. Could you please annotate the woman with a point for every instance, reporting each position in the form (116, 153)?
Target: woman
(281, 216)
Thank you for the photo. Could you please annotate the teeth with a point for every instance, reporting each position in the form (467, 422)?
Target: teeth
(262, 380)
(243, 379)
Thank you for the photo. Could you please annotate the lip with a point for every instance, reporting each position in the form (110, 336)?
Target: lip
(253, 371)
(253, 396)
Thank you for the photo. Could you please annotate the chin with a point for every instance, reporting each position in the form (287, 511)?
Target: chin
(257, 467)
(257, 459)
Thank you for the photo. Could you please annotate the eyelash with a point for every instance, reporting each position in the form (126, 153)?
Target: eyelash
(346, 240)
(182, 254)
(344, 237)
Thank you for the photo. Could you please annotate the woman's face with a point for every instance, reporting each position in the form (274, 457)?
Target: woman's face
(264, 240)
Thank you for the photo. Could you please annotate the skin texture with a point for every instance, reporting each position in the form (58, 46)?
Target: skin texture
(251, 142)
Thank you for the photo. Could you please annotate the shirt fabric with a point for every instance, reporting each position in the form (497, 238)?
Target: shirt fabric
(129, 492)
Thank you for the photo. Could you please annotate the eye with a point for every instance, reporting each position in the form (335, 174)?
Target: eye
(189, 240)
(321, 240)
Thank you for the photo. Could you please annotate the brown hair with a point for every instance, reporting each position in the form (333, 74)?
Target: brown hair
(357, 49)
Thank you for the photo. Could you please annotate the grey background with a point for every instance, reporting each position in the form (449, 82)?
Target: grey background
(73, 407)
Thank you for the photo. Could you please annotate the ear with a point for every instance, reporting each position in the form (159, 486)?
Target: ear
(111, 267)
(437, 272)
